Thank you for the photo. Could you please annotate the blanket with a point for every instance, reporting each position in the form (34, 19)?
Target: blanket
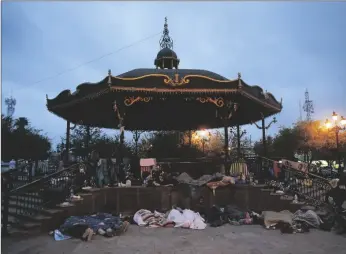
(187, 179)
(186, 219)
(145, 217)
(98, 221)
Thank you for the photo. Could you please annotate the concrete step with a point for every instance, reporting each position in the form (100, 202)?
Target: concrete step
(19, 232)
(27, 216)
(20, 224)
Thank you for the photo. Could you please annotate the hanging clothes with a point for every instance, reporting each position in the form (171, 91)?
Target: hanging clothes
(276, 169)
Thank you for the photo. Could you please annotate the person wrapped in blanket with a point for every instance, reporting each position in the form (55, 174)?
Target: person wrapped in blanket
(84, 227)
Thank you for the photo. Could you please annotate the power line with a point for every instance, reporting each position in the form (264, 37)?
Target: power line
(93, 60)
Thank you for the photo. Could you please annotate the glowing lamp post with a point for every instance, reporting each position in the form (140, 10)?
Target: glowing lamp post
(204, 136)
(336, 125)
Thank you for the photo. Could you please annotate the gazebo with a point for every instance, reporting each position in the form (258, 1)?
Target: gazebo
(164, 98)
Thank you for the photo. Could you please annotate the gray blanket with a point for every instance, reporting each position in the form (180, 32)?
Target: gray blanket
(309, 217)
(187, 179)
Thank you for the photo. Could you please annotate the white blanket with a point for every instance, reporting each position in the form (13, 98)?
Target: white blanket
(187, 219)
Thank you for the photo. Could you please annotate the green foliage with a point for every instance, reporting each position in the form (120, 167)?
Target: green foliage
(21, 141)
(82, 145)
(304, 138)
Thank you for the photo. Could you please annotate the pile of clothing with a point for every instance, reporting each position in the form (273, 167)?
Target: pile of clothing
(84, 227)
(154, 219)
(174, 218)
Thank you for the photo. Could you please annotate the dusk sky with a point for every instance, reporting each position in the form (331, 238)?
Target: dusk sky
(284, 47)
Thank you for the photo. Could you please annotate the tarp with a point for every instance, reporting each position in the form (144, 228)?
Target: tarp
(148, 162)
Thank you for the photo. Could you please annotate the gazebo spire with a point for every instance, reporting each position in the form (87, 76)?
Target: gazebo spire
(166, 41)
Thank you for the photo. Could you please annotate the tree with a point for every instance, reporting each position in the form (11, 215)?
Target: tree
(259, 149)
(305, 137)
(320, 141)
(7, 138)
(21, 141)
(82, 139)
(166, 144)
(284, 144)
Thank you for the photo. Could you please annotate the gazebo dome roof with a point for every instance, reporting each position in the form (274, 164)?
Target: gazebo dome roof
(166, 52)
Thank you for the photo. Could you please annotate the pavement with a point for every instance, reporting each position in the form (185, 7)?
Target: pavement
(226, 239)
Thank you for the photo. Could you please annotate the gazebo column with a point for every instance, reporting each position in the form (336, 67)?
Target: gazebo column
(229, 110)
(190, 138)
(238, 141)
(263, 127)
(120, 115)
(226, 146)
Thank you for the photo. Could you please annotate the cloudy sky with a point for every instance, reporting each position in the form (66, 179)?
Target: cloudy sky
(285, 48)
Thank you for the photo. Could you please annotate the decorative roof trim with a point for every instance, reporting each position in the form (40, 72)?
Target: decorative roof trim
(90, 96)
(169, 90)
(168, 77)
(264, 103)
(187, 90)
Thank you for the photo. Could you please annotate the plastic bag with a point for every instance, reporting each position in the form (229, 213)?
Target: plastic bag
(58, 236)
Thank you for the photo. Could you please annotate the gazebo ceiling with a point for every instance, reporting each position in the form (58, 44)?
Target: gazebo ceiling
(165, 99)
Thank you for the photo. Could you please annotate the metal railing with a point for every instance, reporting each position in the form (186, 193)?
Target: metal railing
(48, 191)
(308, 187)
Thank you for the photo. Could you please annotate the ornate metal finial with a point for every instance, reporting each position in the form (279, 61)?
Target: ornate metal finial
(239, 75)
(46, 96)
(166, 41)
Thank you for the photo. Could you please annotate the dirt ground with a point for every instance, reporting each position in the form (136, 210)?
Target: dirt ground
(225, 239)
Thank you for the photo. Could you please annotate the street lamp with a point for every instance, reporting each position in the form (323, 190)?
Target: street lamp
(264, 128)
(337, 126)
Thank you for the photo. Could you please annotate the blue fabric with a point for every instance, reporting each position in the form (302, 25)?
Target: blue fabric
(58, 236)
(95, 222)
(271, 171)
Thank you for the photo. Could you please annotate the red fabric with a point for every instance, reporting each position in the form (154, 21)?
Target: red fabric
(145, 169)
(276, 168)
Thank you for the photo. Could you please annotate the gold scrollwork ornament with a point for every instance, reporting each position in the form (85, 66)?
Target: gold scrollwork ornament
(176, 81)
(132, 100)
(219, 102)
